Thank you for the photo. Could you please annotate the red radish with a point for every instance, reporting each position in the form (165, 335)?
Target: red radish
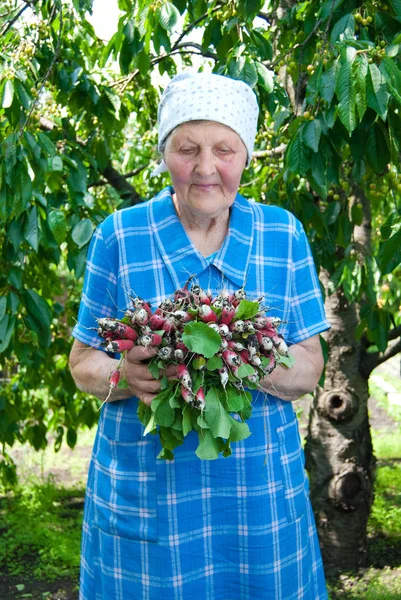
(282, 348)
(165, 353)
(151, 339)
(114, 378)
(237, 346)
(266, 344)
(181, 346)
(200, 399)
(184, 376)
(227, 315)
(231, 358)
(156, 321)
(224, 331)
(237, 326)
(187, 394)
(207, 314)
(118, 345)
(139, 303)
(214, 326)
(223, 376)
(182, 316)
(245, 356)
(179, 355)
(141, 316)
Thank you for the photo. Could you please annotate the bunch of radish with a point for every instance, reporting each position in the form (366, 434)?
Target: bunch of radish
(221, 346)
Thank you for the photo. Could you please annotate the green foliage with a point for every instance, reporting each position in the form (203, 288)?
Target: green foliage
(41, 531)
(78, 140)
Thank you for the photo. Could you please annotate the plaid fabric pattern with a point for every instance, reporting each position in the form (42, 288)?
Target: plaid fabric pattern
(237, 528)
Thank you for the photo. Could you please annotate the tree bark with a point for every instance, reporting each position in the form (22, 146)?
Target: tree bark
(339, 454)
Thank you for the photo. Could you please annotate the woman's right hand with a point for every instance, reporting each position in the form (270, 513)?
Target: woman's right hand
(139, 378)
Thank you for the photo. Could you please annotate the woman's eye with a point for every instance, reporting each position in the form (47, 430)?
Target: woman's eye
(187, 150)
(224, 151)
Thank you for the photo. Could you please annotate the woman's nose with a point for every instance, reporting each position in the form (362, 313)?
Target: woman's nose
(205, 164)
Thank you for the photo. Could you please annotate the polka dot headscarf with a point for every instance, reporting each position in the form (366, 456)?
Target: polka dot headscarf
(211, 97)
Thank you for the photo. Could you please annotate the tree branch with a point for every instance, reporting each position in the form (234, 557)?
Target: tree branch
(192, 25)
(373, 360)
(394, 333)
(10, 23)
(273, 152)
(125, 176)
(119, 183)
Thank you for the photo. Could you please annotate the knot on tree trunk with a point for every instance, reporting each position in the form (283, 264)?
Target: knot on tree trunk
(350, 488)
(338, 405)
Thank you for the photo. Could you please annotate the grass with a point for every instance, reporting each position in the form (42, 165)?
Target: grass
(41, 531)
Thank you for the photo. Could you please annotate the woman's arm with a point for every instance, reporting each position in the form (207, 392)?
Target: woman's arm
(303, 377)
(91, 368)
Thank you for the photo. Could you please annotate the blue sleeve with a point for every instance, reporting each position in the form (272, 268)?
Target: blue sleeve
(99, 295)
(307, 315)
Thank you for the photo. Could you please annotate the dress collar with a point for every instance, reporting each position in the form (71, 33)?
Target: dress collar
(179, 254)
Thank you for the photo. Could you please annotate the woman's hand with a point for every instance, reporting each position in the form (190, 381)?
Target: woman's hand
(303, 377)
(140, 380)
(91, 369)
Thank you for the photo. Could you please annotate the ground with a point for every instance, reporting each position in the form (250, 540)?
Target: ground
(72, 469)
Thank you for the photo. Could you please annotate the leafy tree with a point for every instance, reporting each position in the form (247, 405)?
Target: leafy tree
(78, 140)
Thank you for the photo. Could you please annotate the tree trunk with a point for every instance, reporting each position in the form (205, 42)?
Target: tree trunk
(339, 454)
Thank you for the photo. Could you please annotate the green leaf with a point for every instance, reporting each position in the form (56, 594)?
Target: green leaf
(22, 94)
(265, 77)
(377, 151)
(151, 426)
(154, 368)
(71, 437)
(239, 430)
(8, 94)
(311, 134)
(3, 306)
(165, 414)
(390, 253)
(244, 370)
(38, 307)
(31, 230)
(392, 75)
(168, 16)
(234, 399)
(201, 339)
(214, 363)
(298, 155)
(345, 89)
(186, 420)
(82, 232)
(360, 68)
(344, 28)
(396, 4)
(376, 91)
(7, 326)
(216, 415)
(58, 225)
(287, 361)
(327, 82)
(55, 163)
(246, 310)
(208, 448)
(249, 72)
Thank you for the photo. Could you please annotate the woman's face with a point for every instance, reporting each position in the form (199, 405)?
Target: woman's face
(205, 160)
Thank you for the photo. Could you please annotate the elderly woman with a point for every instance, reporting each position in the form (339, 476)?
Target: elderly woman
(235, 528)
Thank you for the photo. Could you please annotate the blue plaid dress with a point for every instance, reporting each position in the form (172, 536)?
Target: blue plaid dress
(237, 528)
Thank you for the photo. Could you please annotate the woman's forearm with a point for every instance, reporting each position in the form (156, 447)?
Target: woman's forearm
(303, 377)
(91, 369)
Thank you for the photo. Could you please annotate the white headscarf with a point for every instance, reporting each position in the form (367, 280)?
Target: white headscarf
(210, 97)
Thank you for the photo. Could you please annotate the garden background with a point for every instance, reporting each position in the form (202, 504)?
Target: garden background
(78, 140)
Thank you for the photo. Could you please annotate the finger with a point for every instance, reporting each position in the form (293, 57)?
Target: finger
(151, 386)
(139, 354)
(171, 371)
(147, 398)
